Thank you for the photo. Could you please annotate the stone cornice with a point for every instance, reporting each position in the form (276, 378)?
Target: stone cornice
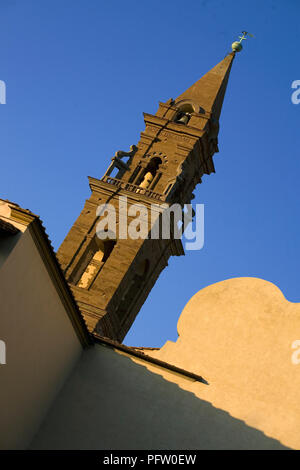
(166, 124)
(110, 189)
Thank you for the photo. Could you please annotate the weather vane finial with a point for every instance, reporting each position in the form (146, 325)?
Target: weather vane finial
(237, 45)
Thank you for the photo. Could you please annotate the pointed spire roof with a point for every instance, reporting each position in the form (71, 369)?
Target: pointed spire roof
(209, 91)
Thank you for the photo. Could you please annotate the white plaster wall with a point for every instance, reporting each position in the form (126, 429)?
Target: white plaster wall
(41, 344)
(7, 244)
(114, 402)
(238, 334)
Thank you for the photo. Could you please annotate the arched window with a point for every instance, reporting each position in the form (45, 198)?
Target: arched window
(147, 178)
(184, 114)
(99, 253)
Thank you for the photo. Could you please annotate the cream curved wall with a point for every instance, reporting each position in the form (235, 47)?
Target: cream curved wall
(238, 335)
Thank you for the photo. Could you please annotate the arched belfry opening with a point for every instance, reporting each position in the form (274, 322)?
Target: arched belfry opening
(149, 177)
(184, 114)
(95, 258)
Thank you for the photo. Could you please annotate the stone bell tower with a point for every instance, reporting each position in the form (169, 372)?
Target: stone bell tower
(112, 278)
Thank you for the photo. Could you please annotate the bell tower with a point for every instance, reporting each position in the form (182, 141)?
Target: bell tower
(112, 278)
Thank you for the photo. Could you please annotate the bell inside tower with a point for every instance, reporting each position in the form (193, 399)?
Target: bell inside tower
(184, 114)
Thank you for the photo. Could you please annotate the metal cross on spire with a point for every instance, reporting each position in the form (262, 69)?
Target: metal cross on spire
(237, 45)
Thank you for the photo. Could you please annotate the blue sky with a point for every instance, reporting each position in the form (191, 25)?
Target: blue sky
(79, 74)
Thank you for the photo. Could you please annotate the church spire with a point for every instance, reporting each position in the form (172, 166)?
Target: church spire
(209, 91)
(111, 278)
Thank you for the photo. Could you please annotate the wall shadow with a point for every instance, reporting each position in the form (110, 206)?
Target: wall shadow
(110, 402)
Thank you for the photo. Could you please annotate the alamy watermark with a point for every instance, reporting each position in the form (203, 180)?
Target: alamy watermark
(296, 94)
(2, 92)
(296, 354)
(157, 221)
(2, 352)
